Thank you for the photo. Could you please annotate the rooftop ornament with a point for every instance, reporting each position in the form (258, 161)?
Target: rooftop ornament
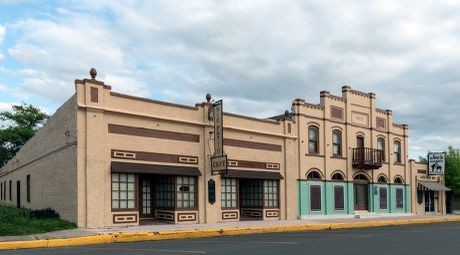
(93, 73)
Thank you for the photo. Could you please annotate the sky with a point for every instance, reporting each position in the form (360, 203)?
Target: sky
(256, 55)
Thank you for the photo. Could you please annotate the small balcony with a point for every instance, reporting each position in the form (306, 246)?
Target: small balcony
(367, 158)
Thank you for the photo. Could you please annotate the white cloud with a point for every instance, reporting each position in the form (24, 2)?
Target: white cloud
(257, 55)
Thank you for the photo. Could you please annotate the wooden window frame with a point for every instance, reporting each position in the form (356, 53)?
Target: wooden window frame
(192, 197)
(225, 185)
(271, 197)
(399, 193)
(315, 141)
(380, 139)
(383, 206)
(316, 209)
(397, 153)
(342, 197)
(127, 190)
(339, 144)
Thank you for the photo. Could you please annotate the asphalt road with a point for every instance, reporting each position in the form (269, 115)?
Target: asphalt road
(432, 239)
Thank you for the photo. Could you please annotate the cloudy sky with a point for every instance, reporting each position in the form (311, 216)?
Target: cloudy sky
(256, 55)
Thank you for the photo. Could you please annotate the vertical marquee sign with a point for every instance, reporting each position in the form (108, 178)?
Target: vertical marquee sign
(436, 163)
(218, 160)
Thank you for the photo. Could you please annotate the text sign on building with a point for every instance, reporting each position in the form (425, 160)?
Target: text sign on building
(436, 163)
(218, 128)
(219, 164)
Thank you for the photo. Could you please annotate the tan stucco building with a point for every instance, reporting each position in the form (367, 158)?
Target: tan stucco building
(106, 159)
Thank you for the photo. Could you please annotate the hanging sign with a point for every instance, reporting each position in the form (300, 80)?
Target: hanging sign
(218, 128)
(436, 163)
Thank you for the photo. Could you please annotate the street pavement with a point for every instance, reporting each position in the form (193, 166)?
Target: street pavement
(441, 238)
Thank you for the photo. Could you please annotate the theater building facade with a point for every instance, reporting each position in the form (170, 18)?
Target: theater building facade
(110, 159)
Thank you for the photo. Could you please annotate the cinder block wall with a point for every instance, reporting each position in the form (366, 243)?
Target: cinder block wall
(50, 158)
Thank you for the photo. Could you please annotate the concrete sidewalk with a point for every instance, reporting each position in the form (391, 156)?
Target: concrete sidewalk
(170, 231)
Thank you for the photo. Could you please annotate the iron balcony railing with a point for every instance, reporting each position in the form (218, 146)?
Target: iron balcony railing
(367, 158)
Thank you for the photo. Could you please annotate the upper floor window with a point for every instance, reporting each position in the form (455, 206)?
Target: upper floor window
(313, 140)
(381, 147)
(336, 143)
(397, 152)
(314, 175)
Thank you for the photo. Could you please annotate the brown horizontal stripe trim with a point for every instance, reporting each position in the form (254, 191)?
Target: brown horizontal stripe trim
(252, 145)
(145, 132)
(153, 156)
(139, 168)
(254, 164)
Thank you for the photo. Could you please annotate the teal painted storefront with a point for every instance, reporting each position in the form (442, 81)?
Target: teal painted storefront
(327, 198)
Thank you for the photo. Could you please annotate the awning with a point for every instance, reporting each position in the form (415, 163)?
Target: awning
(138, 168)
(435, 186)
(249, 174)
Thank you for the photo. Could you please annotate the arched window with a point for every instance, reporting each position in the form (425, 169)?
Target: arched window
(398, 180)
(397, 152)
(337, 143)
(313, 140)
(314, 175)
(381, 147)
(382, 179)
(361, 178)
(337, 177)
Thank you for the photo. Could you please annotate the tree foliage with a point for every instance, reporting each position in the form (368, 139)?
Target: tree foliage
(23, 121)
(452, 170)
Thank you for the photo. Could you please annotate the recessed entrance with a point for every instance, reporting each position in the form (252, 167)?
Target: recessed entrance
(429, 201)
(361, 192)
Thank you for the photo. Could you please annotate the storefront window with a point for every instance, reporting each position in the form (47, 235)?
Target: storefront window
(229, 193)
(270, 193)
(315, 198)
(383, 198)
(123, 191)
(399, 198)
(185, 188)
(251, 193)
(164, 192)
(339, 204)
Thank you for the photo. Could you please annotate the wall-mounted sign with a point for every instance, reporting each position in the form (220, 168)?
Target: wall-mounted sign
(218, 128)
(219, 164)
(436, 163)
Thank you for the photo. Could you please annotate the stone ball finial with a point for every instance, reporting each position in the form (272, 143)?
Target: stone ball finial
(208, 97)
(93, 73)
(286, 114)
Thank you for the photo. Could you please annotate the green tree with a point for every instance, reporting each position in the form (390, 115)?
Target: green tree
(22, 123)
(422, 160)
(452, 170)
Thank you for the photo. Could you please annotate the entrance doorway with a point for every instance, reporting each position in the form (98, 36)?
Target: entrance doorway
(361, 192)
(429, 201)
(146, 195)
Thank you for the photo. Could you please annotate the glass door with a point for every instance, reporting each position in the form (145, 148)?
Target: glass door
(145, 208)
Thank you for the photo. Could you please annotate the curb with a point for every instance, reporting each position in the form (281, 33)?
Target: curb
(187, 234)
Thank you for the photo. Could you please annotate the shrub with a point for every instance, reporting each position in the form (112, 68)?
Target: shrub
(46, 213)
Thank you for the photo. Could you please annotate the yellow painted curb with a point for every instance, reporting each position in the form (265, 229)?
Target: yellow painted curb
(74, 241)
(185, 234)
(23, 245)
